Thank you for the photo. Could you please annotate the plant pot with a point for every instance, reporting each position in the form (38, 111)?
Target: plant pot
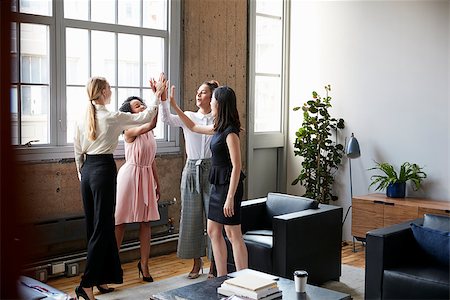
(396, 190)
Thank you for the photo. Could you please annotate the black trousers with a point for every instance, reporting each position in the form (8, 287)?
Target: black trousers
(98, 190)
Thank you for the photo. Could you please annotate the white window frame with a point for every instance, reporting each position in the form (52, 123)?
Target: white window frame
(59, 149)
(270, 139)
(284, 76)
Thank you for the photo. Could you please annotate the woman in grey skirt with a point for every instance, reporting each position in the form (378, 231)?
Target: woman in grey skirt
(195, 187)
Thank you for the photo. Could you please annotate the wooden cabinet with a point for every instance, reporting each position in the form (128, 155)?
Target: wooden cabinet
(376, 211)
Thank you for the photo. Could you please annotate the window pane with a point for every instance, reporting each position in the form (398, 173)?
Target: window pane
(269, 7)
(34, 55)
(129, 60)
(77, 56)
(77, 101)
(159, 129)
(268, 45)
(267, 104)
(14, 62)
(123, 94)
(14, 117)
(76, 9)
(129, 12)
(155, 14)
(35, 114)
(36, 7)
(103, 11)
(153, 50)
(113, 105)
(103, 55)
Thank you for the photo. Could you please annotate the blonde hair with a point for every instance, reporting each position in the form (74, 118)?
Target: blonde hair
(94, 89)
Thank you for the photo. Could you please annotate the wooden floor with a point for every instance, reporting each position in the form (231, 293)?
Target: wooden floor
(165, 266)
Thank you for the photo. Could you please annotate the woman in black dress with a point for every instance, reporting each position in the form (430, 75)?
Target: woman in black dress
(226, 177)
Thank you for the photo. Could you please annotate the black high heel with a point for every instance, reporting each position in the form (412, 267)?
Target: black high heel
(80, 292)
(103, 290)
(145, 278)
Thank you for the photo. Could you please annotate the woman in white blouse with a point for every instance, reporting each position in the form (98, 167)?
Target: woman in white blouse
(195, 187)
(96, 138)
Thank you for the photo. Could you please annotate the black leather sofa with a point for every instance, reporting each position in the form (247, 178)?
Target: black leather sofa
(397, 267)
(284, 233)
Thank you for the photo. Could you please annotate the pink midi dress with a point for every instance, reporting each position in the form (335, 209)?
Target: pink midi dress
(136, 185)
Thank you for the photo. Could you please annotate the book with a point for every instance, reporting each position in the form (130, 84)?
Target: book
(253, 272)
(234, 296)
(258, 294)
(251, 282)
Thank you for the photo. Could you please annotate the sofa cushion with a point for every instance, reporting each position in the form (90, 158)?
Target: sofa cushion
(265, 241)
(263, 232)
(260, 247)
(437, 222)
(280, 204)
(416, 282)
(435, 243)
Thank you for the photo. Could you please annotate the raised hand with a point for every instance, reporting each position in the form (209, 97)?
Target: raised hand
(161, 86)
(164, 94)
(153, 85)
(172, 96)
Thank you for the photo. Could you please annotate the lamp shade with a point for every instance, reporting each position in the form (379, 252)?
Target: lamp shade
(353, 150)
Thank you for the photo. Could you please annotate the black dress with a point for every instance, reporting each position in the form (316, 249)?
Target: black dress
(219, 177)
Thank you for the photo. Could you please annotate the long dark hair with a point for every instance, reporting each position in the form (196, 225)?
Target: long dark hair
(126, 107)
(227, 113)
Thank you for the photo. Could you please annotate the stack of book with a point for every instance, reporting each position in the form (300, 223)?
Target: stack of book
(250, 286)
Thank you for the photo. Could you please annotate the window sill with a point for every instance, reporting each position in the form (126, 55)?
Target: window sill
(66, 153)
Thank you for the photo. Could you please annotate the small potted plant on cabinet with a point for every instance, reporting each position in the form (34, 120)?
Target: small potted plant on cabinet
(395, 184)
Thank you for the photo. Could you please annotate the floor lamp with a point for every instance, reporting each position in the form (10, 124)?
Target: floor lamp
(352, 151)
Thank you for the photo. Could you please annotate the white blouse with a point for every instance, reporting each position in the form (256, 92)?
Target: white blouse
(109, 126)
(197, 145)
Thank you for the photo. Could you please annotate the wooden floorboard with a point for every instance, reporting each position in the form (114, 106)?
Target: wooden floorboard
(165, 266)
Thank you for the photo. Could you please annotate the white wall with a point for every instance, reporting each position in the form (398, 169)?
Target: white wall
(388, 66)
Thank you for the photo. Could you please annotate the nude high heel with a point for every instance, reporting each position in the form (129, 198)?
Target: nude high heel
(193, 275)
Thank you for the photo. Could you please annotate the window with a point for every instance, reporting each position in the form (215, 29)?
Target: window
(267, 67)
(267, 88)
(58, 44)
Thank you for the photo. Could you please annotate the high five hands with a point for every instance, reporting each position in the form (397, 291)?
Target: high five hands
(159, 87)
(164, 95)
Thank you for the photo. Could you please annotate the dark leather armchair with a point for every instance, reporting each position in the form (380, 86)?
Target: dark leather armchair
(398, 268)
(284, 233)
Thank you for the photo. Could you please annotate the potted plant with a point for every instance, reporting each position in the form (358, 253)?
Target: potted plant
(321, 155)
(395, 184)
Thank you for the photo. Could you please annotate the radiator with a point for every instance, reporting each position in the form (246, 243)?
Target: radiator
(58, 245)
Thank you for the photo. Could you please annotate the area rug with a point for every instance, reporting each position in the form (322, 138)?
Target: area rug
(351, 282)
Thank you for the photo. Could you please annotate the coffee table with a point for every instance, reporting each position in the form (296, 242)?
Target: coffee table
(207, 290)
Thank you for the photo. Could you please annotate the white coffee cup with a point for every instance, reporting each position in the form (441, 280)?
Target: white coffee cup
(300, 278)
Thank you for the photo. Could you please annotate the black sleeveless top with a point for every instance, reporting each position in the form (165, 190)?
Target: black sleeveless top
(221, 165)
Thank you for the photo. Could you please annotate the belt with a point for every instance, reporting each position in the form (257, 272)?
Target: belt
(198, 172)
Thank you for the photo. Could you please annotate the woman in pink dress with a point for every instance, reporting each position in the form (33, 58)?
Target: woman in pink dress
(138, 184)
